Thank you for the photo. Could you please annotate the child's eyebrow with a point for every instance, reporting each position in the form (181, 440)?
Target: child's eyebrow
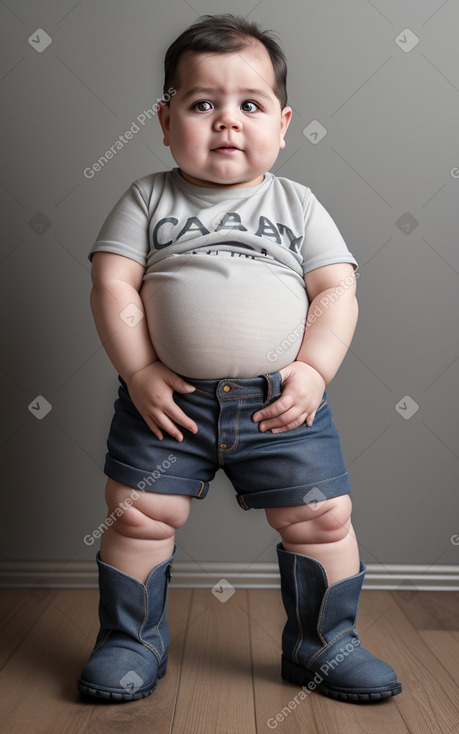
(212, 90)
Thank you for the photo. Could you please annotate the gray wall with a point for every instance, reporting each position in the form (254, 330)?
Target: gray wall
(388, 161)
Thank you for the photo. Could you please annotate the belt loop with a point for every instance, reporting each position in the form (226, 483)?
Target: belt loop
(274, 381)
(269, 391)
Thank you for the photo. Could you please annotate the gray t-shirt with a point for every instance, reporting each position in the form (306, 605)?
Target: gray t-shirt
(223, 290)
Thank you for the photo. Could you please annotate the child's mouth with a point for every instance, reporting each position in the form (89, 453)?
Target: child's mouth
(225, 149)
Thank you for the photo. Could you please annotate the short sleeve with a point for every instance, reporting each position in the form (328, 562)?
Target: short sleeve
(323, 243)
(125, 230)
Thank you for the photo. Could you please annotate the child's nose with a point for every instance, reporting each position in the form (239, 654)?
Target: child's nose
(227, 119)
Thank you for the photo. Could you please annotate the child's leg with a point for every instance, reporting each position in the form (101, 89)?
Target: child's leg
(319, 641)
(135, 565)
(322, 531)
(143, 535)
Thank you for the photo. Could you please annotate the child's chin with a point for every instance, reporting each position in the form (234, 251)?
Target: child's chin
(214, 180)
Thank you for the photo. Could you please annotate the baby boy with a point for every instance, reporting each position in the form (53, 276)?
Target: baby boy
(225, 299)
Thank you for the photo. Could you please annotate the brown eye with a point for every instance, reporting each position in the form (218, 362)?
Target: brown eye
(202, 106)
(249, 106)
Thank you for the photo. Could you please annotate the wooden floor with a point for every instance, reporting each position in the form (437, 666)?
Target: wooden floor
(224, 667)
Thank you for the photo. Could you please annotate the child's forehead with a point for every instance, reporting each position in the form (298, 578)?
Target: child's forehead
(251, 67)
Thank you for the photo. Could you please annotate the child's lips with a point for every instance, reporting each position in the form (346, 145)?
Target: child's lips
(225, 149)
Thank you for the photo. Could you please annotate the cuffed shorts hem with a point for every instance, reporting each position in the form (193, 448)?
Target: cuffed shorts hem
(146, 481)
(294, 496)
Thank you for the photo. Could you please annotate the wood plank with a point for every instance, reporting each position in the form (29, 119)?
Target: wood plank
(19, 611)
(41, 676)
(215, 693)
(429, 610)
(272, 694)
(445, 646)
(316, 712)
(224, 667)
(430, 698)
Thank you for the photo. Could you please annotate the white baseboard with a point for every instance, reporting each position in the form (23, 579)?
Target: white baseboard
(188, 574)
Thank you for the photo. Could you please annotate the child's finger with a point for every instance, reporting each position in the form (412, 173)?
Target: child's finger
(159, 422)
(291, 425)
(287, 418)
(171, 428)
(177, 415)
(154, 428)
(278, 407)
(180, 385)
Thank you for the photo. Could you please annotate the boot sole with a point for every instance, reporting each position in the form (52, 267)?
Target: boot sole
(112, 696)
(119, 697)
(297, 674)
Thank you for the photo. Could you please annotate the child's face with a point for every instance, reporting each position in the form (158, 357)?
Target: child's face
(225, 125)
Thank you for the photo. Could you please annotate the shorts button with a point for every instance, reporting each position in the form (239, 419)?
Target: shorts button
(223, 445)
(226, 388)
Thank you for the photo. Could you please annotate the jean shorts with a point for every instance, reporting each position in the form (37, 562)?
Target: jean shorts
(266, 470)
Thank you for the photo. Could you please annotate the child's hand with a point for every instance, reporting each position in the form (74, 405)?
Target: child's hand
(303, 389)
(151, 390)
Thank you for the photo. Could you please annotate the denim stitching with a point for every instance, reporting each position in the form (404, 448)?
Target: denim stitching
(238, 415)
(270, 388)
(298, 617)
(241, 499)
(201, 489)
(223, 452)
(166, 594)
(271, 392)
(228, 397)
(320, 618)
(358, 603)
(325, 647)
(199, 391)
(103, 639)
(139, 634)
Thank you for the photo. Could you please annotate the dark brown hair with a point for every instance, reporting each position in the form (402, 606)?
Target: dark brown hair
(225, 34)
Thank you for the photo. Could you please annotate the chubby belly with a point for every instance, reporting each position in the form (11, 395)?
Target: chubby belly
(212, 317)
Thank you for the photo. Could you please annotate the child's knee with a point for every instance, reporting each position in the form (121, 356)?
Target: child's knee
(323, 522)
(146, 515)
(335, 522)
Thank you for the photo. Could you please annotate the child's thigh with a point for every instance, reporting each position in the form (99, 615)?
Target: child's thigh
(172, 509)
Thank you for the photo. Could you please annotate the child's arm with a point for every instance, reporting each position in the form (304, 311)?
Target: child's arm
(330, 326)
(116, 285)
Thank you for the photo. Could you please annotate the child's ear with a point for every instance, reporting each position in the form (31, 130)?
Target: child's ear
(164, 117)
(286, 116)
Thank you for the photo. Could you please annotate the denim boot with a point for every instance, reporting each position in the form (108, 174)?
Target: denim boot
(320, 645)
(131, 648)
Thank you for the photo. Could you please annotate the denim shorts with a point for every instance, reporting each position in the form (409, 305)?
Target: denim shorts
(266, 470)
